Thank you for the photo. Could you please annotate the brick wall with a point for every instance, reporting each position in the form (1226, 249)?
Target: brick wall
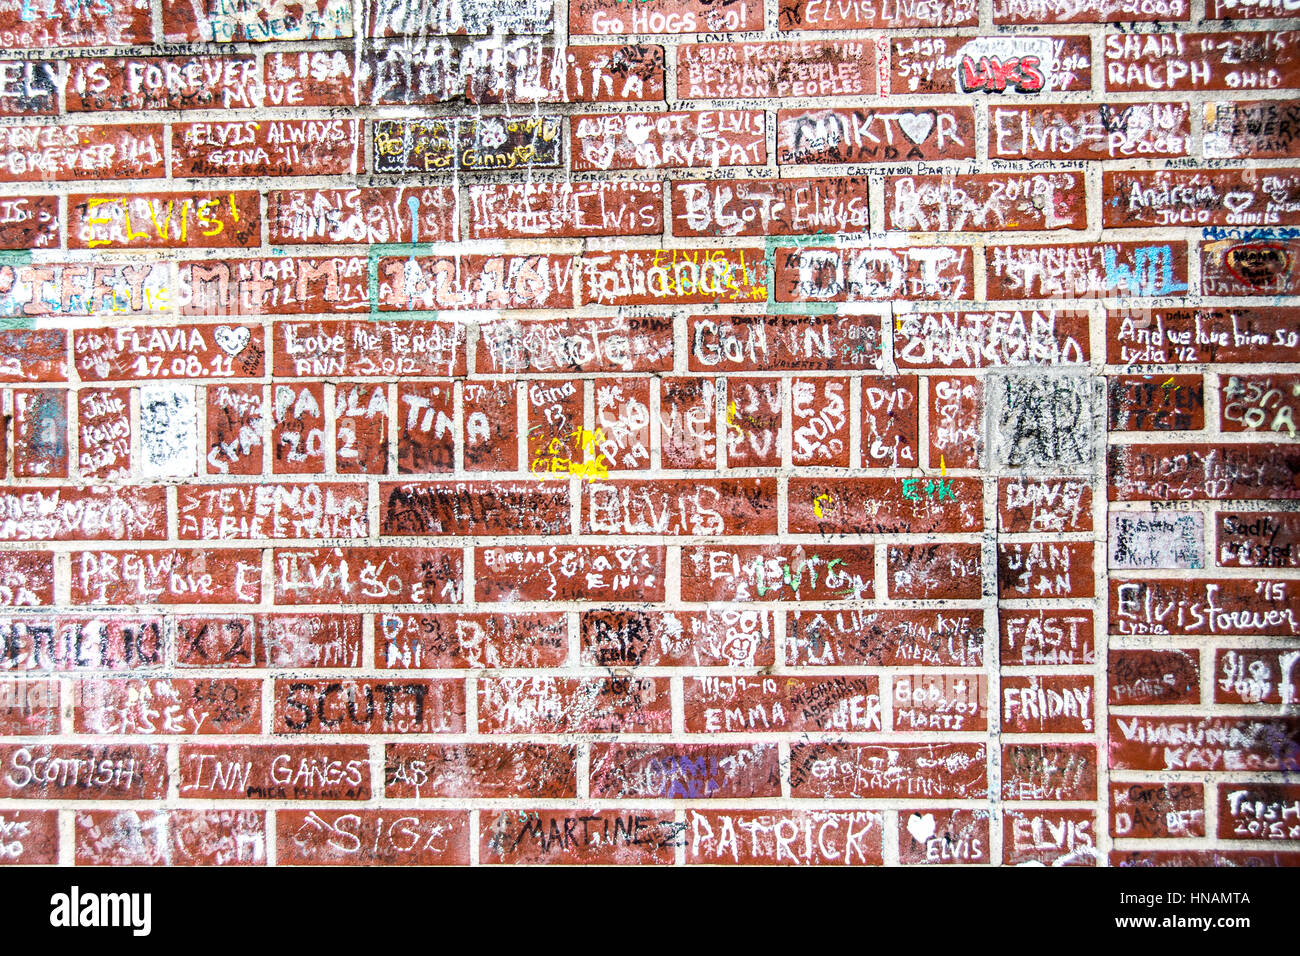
(820, 431)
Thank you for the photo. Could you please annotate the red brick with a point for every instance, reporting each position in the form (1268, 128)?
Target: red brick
(26, 578)
(167, 576)
(940, 703)
(32, 355)
(1199, 197)
(831, 15)
(956, 422)
(1044, 504)
(718, 637)
(1259, 812)
(815, 274)
(425, 427)
(1149, 403)
(993, 202)
(1050, 838)
(686, 426)
(361, 429)
(784, 837)
(1201, 61)
(991, 65)
(370, 214)
(577, 837)
(1259, 403)
(1254, 267)
(231, 512)
(1255, 129)
(1190, 472)
(770, 207)
(943, 836)
(211, 219)
(155, 706)
(1049, 771)
(1045, 569)
(885, 505)
(1256, 676)
(748, 70)
(183, 351)
(372, 838)
(111, 23)
(573, 705)
(684, 771)
(757, 705)
(602, 17)
(73, 642)
(1202, 858)
(311, 78)
(266, 148)
(1203, 743)
(274, 772)
(370, 575)
(163, 83)
(780, 343)
(406, 706)
(1090, 131)
(236, 416)
(363, 349)
(274, 640)
(1205, 606)
(888, 771)
(30, 837)
(885, 638)
(662, 277)
(1047, 705)
(110, 771)
(66, 513)
(490, 426)
(564, 209)
(722, 573)
(622, 423)
(690, 139)
(1092, 270)
(460, 771)
(170, 838)
(1156, 811)
(868, 135)
(40, 433)
(571, 572)
(1087, 11)
(29, 222)
(454, 282)
(889, 421)
(949, 572)
(211, 21)
(619, 344)
(609, 74)
(286, 285)
(1247, 9)
(80, 289)
(820, 421)
(668, 506)
(298, 429)
(753, 430)
(1046, 637)
(29, 87)
(1151, 676)
(558, 443)
(28, 708)
(1218, 334)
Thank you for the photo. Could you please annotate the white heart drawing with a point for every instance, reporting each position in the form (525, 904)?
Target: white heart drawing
(916, 126)
(232, 340)
(1238, 202)
(921, 827)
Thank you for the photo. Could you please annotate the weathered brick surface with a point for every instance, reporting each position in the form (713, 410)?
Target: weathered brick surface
(718, 432)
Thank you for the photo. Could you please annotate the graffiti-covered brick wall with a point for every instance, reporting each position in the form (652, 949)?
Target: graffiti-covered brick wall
(649, 431)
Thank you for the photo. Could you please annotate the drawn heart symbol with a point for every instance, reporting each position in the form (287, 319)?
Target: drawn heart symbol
(921, 827)
(916, 126)
(1237, 202)
(1262, 265)
(232, 340)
